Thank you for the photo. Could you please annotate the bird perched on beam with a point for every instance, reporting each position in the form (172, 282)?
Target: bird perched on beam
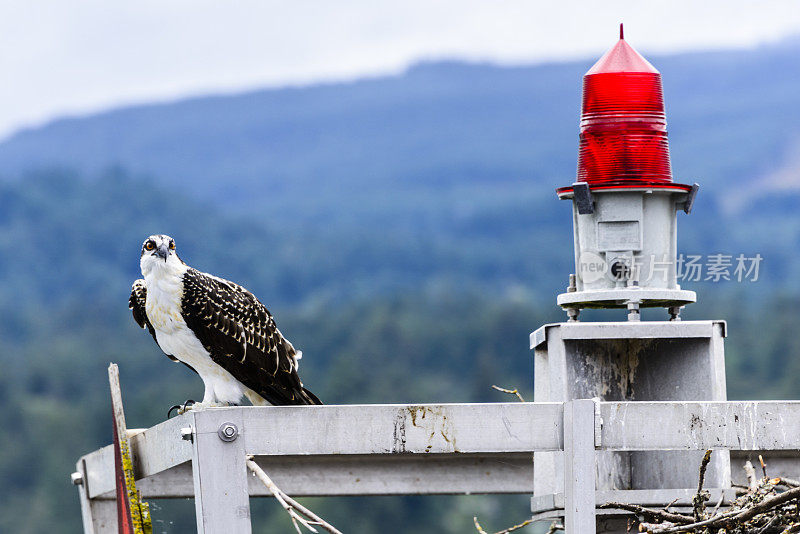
(217, 328)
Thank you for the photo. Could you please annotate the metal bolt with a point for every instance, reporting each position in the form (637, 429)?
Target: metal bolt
(187, 434)
(572, 287)
(633, 311)
(572, 313)
(228, 432)
(77, 478)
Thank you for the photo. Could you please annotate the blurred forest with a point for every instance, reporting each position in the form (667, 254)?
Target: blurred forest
(403, 230)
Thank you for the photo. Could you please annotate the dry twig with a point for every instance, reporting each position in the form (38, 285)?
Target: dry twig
(719, 503)
(700, 498)
(658, 515)
(788, 482)
(667, 507)
(292, 507)
(750, 472)
(703, 467)
(510, 392)
(479, 528)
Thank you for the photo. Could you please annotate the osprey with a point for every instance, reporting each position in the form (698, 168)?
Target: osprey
(217, 328)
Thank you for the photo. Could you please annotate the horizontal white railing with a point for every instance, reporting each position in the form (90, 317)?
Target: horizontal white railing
(421, 449)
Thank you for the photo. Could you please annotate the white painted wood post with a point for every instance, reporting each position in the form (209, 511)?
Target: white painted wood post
(104, 516)
(579, 467)
(222, 501)
(99, 515)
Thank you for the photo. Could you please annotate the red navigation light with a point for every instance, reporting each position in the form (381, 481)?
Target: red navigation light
(623, 139)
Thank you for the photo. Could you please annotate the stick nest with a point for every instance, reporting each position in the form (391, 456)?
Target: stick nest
(765, 506)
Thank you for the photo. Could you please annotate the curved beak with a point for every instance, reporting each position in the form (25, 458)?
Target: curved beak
(163, 252)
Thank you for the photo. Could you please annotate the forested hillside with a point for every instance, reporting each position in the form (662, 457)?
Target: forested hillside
(438, 134)
(403, 230)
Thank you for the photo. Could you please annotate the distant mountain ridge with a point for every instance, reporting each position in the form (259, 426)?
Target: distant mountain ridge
(732, 115)
(445, 175)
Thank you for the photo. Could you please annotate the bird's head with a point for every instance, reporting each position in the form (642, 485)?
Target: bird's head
(158, 252)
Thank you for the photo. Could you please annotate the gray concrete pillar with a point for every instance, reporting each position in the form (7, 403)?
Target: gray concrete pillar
(630, 361)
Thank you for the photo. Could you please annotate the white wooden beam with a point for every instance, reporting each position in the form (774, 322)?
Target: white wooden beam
(346, 475)
(752, 425)
(99, 516)
(154, 450)
(403, 429)
(348, 450)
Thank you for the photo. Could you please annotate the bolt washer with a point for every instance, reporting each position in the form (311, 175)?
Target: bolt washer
(228, 432)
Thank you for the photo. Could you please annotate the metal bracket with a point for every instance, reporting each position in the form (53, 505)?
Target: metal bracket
(687, 206)
(583, 198)
(187, 434)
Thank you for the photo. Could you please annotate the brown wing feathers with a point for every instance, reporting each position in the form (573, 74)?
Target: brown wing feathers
(242, 337)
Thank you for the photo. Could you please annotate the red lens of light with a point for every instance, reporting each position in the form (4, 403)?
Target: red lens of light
(623, 135)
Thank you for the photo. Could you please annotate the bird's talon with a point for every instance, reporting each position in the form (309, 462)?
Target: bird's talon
(181, 408)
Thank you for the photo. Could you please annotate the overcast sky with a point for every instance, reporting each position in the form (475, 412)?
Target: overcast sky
(67, 57)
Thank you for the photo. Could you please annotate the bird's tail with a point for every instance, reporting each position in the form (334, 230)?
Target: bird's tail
(308, 398)
(303, 397)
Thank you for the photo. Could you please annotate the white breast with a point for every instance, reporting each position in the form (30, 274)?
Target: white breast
(163, 307)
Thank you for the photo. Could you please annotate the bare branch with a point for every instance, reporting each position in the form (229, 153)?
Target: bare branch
(752, 481)
(768, 503)
(734, 516)
(292, 507)
(700, 498)
(769, 524)
(703, 467)
(719, 503)
(479, 528)
(671, 529)
(761, 509)
(673, 501)
(787, 482)
(649, 513)
(510, 392)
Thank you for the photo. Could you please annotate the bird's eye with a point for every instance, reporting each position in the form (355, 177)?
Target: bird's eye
(149, 245)
(172, 245)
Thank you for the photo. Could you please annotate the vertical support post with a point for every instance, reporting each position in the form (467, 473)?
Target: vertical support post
(99, 515)
(579, 467)
(221, 497)
(104, 516)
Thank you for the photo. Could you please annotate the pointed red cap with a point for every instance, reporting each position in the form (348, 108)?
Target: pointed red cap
(623, 139)
(622, 58)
